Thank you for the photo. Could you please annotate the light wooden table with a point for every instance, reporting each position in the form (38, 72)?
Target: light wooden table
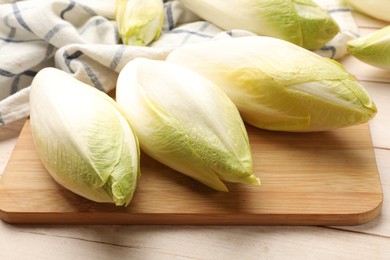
(368, 241)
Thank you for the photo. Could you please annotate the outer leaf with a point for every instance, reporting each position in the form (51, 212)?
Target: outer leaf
(301, 22)
(279, 86)
(139, 21)
(373, 49)
(83, 139)
(185, 122)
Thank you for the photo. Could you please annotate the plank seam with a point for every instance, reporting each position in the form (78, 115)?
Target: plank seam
(375, 147)
(374, 81)
(357, 232)
(105, 243)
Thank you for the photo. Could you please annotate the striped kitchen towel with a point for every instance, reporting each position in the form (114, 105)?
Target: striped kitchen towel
(80, 37)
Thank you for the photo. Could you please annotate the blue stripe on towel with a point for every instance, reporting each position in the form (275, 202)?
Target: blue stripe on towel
(30, 73)
(72, 56)
(1, 120)
(7, 40)
(117, 57)
(12, 32)
(93, 23)
(329, 48)
(67, 9)
(204, 27)
(116, 34)
(6, 73)
(19, 17)
(68, 58)
(14, 85)
(171, 23)
(87, 9)
(49, 52)
(92, 76)
(50, 34)
(190, 32)
(338, 10)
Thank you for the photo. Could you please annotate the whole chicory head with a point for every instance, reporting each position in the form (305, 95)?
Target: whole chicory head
(83, 139)
(277, 85)
(186, 122)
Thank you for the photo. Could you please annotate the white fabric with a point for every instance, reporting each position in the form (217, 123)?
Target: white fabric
(81, 37)
(341, 13)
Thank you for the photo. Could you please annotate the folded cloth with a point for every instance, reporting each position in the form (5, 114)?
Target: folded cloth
(81, 38)
(341, 13)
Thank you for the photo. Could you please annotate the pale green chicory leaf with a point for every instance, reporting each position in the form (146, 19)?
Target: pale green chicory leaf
(277, 85)
(186, 122)
(373, 49)
(301, 22)
(139, 21)
(83, 139)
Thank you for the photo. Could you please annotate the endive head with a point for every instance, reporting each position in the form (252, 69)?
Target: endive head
(83, 139)
(301, 22)
(317, 26)
(139, 21)
(373, 49)
(185, 122)
(277, 85)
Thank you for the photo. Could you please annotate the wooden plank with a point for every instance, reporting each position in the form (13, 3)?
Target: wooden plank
(380, 124)
(325, 178)
(8, 136)
(188, 242)
(365, 21)
(363, 71)
(381, 225)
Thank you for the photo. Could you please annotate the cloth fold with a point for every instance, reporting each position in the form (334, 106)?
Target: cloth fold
(81, 38)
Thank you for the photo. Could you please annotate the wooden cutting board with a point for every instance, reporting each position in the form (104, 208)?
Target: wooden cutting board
(325, 178)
